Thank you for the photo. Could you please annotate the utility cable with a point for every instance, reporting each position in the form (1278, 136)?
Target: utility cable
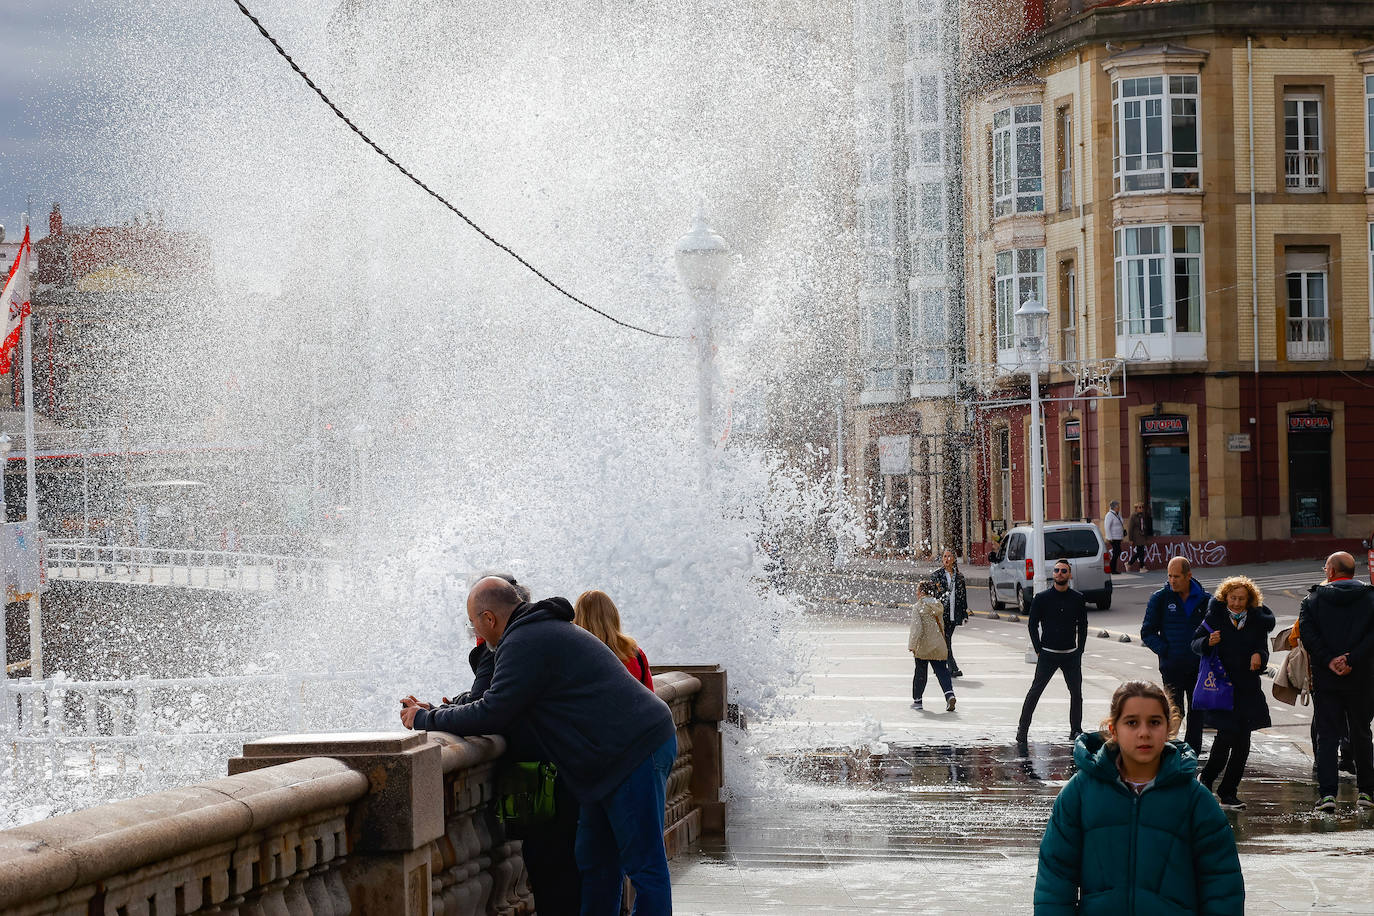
(430, 191)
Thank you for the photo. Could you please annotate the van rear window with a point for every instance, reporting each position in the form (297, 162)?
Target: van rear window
(1069, 544)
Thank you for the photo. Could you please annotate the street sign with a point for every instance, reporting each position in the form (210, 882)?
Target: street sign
(1238, 442)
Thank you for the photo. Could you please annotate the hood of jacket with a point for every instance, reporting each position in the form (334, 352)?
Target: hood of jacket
(526, 613)
(1342, 592)
(1093, 756)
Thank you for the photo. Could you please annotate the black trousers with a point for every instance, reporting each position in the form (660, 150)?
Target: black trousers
(949, 646)
(1116, 555)
(549, 858)
(1230, 751)
(919, 679)
(1046, 664)
(1351, 709)
(1179, 681)
(1138, 555)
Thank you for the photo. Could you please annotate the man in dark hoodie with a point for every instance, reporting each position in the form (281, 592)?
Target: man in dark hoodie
(1336, 621)
(1171, 616)
(612, 740)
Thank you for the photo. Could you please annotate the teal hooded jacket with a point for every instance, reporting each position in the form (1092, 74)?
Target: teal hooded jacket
(1107, 850)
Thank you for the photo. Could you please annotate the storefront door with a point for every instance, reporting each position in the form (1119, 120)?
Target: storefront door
(1167, 488)
(1309, 473)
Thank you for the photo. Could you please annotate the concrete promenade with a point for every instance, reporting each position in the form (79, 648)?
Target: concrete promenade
(867, 806)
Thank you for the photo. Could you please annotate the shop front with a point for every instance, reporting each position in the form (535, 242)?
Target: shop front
(1167, 473)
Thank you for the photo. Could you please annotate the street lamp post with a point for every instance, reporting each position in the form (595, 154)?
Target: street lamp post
(86, 484)
(837, 383)
(702, 258)
(1032, 325)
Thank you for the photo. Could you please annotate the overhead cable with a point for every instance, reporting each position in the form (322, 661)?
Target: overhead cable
(430, 191)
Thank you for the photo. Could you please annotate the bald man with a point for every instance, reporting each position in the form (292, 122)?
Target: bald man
(612, 740)
(1336, 623)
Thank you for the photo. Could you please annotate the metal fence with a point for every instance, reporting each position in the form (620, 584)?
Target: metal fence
(216, 570)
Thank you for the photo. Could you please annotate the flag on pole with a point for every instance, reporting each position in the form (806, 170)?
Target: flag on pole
(14, 304)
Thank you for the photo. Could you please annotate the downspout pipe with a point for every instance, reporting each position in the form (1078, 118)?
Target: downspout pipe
(1254, 309)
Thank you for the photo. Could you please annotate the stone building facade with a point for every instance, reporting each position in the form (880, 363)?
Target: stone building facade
(1189, 187)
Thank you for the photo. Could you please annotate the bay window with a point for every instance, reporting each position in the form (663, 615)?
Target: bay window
(1018, 184)
(1020, 276)
(1155, 133)
(1159, 292)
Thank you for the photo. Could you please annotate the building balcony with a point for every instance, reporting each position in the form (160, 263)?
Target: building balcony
(1304, 171)
(1138, 345)
(1309, 338)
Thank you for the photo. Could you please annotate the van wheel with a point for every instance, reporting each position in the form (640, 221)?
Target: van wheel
(1104, 604)
(997, 604)
(1023, 600)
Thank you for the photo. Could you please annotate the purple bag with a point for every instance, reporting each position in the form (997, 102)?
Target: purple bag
(1213, 689)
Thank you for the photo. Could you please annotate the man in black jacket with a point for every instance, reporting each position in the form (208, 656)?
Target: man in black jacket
(612, 740)
(1336, 626)
(1059, 633)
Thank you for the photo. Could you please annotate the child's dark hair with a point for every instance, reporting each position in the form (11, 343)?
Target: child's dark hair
(925, 587)
(1145, 690)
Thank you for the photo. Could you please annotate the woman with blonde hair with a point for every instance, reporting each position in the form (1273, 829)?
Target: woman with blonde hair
(596, 613)
(1236, 629)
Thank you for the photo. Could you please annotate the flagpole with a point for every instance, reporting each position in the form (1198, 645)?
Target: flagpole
(31, 486)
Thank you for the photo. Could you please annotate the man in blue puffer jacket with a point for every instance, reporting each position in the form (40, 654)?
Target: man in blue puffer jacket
(1171, 617)
(612, 740)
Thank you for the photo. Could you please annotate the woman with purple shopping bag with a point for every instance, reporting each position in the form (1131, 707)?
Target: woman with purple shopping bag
(1233, 641)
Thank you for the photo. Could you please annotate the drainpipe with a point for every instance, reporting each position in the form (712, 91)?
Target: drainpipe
(1254, 307)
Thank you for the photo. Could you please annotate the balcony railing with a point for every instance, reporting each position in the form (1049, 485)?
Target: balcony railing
(1309, 338)
(1303, 170)
(1069, 347)
(1066, 188)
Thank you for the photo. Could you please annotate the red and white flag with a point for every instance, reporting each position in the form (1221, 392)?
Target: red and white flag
(14, 304)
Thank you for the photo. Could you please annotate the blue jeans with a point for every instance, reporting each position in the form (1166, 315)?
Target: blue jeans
(622, 836)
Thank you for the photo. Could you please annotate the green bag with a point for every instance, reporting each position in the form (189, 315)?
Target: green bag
(525, 794)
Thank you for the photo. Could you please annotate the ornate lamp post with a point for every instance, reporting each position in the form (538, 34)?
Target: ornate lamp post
(702, 259)
(1032, 326)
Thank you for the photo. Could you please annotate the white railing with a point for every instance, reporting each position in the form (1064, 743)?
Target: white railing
(1303, 170)
(1069, 347)
(1066, 187)
(1309, 338)
(114, 712)
(216, 570)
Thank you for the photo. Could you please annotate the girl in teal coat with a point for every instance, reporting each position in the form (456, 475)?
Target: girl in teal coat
(1134, 832)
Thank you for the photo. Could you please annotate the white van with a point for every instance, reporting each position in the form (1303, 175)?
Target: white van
(1078, 542)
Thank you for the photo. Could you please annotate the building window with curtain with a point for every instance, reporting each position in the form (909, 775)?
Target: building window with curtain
(1303, 158)
(1155, 133)
(1159, 291)
(1308, 333)
(1018, 184)
(1020, 276)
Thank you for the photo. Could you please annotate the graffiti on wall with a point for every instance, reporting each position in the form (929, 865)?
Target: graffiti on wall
(1198, 553)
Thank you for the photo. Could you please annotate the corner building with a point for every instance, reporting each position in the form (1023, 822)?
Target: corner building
(1108, 173)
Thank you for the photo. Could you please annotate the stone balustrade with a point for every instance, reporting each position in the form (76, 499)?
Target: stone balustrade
(395, 823)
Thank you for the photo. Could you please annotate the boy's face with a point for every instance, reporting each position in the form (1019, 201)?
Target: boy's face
(1141, 730)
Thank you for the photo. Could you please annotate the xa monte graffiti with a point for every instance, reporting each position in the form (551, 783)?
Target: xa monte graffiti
(1204, 553)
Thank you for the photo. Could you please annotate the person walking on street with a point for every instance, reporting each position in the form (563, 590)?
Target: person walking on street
(1115, 531)
(953, 594)
(1141, 529)
(926, 642)
(1133, 831)
(1059, 634)
(1336, 621)
(1172, 616)
(1236, 628)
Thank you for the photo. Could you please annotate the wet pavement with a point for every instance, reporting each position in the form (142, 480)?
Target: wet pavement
(856, 803)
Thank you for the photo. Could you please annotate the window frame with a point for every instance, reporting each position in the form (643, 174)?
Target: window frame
(1306, 183)
(1369, 131)
(1310, 347)
(1175, 175)
(1012, 192)
(1168, 256)
(1008, 289)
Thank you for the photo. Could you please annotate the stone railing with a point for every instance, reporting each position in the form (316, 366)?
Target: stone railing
(389, 823)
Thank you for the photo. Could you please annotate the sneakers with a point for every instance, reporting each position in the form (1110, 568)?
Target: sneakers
(918, 705)
(1327, 804)
(1231, 803)
(1364, 801)
(949, 707)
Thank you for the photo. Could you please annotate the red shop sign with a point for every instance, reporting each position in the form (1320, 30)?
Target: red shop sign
(1163, 426)
(1309, 422)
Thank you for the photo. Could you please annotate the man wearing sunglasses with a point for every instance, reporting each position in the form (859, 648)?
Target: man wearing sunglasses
(1059, 634)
